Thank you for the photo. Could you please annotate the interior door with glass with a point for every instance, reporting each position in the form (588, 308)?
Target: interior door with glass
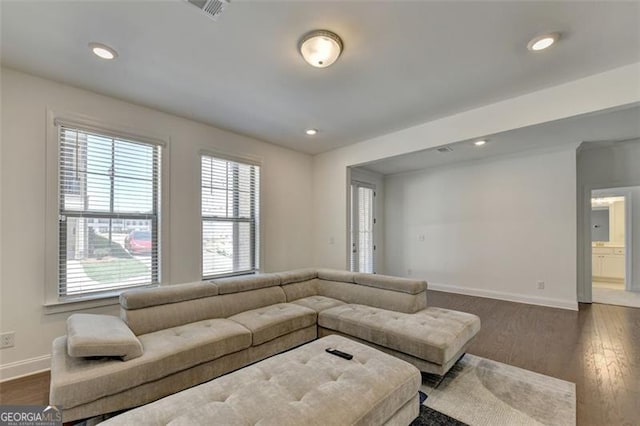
(363, 222)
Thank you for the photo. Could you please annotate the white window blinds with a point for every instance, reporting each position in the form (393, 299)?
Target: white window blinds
(230, 213)
(109, 210)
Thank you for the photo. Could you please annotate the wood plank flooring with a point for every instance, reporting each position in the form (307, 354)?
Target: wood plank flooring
(598, 348)
(29, 390)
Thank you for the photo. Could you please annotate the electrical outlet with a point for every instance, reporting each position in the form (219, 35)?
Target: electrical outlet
(421, 237)
(409, 272)
(7, 340)
(540, 285)
(332, 240)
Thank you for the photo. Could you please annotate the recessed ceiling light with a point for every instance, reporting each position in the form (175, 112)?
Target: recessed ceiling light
(542, 42)
(311, 132)
(480, 143)
(320, 48)
(103, 51)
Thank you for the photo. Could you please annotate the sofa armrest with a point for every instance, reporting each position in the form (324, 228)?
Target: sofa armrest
(90, 335)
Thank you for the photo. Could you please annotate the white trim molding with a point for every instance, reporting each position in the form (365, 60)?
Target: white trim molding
(25, 367)
(509, 297)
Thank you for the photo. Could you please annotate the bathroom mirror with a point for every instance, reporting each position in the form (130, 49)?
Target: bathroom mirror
(600, 224)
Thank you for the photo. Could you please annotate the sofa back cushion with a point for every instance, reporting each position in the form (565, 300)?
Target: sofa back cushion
(158, 317)
(300, 290)
(246, 283)
(372, 296)
(144, 297)
(387, 282)
(297, 275)
(379, 291)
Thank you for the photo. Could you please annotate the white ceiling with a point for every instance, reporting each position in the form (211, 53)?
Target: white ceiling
(404, 63)
(603, 128)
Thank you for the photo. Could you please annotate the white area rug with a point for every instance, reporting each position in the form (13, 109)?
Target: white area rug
(478, 391)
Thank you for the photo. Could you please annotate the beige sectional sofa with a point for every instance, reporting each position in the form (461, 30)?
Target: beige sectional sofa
(191, 333)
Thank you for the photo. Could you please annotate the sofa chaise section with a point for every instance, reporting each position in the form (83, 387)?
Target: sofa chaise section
(432, 339)
(388, 313)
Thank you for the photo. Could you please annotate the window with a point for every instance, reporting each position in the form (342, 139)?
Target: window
(362, 226)
(230, 213)
(105, 183)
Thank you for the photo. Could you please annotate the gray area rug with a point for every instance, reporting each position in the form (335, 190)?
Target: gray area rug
(478, 391)
(431, 417)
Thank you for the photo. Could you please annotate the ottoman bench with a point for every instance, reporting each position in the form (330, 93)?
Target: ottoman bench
(306, 385)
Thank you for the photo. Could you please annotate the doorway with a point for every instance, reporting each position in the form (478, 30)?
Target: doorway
(611, 247)
(363, 221)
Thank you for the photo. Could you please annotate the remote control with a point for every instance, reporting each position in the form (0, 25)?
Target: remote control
(341, 354)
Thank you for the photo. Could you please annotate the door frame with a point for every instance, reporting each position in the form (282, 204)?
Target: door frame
(353, 222)
(585, 284)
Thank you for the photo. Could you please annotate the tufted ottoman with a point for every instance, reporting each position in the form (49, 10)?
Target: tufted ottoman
(303, 386)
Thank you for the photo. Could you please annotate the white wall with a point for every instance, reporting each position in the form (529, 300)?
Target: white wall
(376, 179)
(286, 202)
(489, 228)
(594, 93)
(615, 166)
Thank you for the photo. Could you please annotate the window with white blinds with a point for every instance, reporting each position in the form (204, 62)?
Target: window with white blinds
(109, 210)
(362, 227)
(230, 216)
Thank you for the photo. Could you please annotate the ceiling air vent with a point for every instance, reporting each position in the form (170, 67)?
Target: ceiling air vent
(213, 8)
(445, 149)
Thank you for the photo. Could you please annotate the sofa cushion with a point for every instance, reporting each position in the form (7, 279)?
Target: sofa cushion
(101, 335)
(337, 275)
(295, 291)
(387, 282)
(77, 381)
(318, 303)
(372, 296)
(433, 334)
(246, 283)
(144, 297)
(274, 321)
(154, 318)
(297, 275)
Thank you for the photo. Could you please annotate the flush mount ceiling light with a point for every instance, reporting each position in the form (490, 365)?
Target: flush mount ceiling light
(480, 143)
(320, 48)
(311, 132)
(103, 51)
(542, 42)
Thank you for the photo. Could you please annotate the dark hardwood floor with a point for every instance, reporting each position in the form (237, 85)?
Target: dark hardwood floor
(29, 390)
(598, 348)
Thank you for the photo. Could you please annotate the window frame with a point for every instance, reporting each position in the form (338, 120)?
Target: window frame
(53, 301)
(257, 252)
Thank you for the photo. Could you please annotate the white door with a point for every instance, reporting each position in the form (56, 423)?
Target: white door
(362, 227)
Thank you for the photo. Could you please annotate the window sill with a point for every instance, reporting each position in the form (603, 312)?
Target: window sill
(81, 303)
(231, 275)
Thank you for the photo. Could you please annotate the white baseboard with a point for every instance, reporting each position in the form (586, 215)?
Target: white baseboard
(510, 297)
(25, 367)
